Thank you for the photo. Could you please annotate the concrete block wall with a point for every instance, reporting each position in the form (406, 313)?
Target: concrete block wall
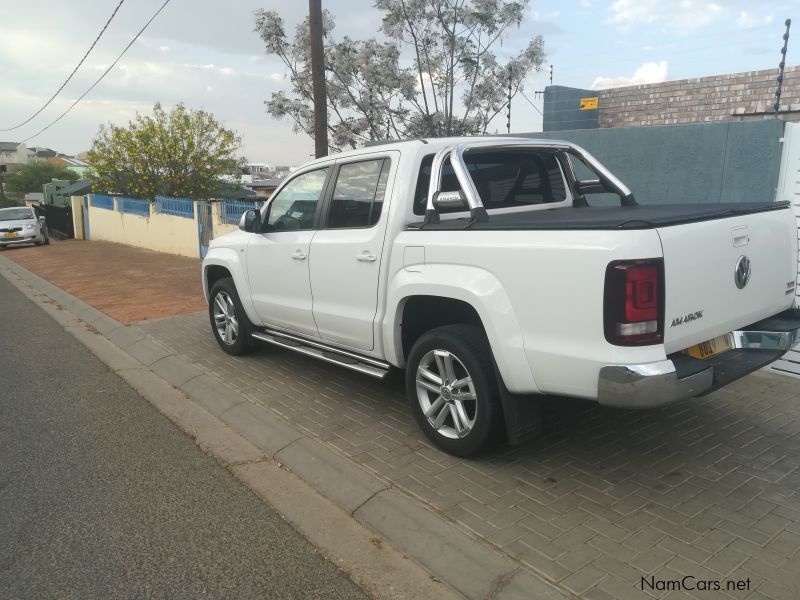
(730, 97)
(162, 233)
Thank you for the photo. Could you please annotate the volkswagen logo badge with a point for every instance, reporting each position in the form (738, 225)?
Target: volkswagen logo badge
(742, 273)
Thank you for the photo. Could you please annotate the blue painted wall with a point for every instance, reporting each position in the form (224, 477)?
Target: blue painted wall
(712, 162)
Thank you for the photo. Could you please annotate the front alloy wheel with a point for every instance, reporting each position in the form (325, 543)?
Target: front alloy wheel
(225, 318)
(228, 320)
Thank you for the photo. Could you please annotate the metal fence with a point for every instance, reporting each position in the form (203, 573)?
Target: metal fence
(59, 221)
(102, 201)
(135, 207)
(232, 210)
(178, 207)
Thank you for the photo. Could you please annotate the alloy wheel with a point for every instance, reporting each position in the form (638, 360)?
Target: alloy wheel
(446, 394)
(225, 319)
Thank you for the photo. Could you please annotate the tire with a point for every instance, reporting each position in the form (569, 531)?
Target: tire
(232, 335)
(462, 351)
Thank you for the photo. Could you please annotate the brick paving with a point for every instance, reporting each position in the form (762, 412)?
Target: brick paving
(706, 488)
(128, 284)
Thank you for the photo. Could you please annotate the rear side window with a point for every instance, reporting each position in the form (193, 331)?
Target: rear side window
(357, 198)
(504, 179)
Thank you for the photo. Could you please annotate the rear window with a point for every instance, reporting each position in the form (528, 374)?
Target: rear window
(503, 179)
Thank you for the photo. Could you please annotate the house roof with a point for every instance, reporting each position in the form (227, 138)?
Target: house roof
(78, 188)
(262, 183)
(8, 146)
(45, 153)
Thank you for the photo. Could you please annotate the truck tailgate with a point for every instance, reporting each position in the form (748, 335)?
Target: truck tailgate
(704, 298)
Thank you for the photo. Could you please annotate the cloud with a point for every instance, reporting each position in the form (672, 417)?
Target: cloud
(677, 15)
(276, 77)
(164, 48)
(747, 21)
(647, 73)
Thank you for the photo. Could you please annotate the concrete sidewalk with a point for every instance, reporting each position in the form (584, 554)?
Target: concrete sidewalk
(706, 488)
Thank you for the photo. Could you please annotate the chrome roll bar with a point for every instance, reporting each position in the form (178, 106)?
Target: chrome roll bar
(474, 203)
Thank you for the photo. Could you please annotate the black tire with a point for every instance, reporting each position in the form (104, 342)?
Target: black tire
(224, 288)
(469, 347)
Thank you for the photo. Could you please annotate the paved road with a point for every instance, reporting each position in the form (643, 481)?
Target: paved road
(101, 496)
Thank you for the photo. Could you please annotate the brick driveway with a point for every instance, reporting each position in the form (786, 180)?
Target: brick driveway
(707, 488)
(128, 284)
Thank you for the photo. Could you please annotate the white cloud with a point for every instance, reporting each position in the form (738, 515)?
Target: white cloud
(164, 48)
(276, 76)
(586, 3)
(678, 15)
(647, 73)
(747, 21)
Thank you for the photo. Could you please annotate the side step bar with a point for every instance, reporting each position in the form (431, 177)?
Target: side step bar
(350, 360)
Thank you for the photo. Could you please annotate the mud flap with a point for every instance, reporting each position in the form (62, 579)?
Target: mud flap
(522, 413)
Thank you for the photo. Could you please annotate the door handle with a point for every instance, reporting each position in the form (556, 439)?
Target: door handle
(366, 256)
(299, 255)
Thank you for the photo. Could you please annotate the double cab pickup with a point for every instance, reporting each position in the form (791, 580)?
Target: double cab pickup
(496, 270)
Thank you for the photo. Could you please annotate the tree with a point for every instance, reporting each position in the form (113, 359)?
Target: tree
(31, 177)
(182, 153)
(456, 85)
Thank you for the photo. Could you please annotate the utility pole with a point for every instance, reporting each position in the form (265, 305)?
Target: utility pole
(318, 78)
(551, 74)
(508, 109)
(781, 65)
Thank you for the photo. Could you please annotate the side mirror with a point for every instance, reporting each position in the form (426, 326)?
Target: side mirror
(251, 221)
(452, 201)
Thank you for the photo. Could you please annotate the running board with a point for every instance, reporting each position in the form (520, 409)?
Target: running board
(343, 358)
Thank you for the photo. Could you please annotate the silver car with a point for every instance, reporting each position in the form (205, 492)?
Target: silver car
(20, 225)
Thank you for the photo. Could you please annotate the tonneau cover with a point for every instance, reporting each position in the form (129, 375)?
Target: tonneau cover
(648, 216)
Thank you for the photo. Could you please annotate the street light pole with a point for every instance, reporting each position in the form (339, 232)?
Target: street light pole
(318, 78)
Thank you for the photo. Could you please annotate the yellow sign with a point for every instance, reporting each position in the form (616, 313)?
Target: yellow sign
(588, 103)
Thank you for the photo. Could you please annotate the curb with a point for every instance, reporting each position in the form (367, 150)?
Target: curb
(258, 446)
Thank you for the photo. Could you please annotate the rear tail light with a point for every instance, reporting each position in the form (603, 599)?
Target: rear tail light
(633, 306)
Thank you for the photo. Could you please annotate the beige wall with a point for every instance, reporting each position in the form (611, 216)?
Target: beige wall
(162, 233)
(77, 217)
(220, 228)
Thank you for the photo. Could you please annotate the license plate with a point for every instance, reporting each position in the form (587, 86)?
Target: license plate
(705, 350)
(12, 234)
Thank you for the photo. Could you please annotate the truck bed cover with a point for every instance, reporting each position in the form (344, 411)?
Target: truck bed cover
(647, 216)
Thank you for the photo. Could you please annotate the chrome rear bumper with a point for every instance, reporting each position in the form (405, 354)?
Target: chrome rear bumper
(679, 377)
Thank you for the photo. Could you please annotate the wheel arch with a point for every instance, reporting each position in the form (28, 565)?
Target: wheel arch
(224, 262)
(475, 297)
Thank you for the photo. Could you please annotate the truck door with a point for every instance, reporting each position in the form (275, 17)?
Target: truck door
(277, 260)
(346, 252)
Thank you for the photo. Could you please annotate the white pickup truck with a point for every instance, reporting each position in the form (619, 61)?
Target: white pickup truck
(494, 270)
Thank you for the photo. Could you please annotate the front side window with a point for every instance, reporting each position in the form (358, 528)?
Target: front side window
(504, 179)
(296, 204)
(358, 194)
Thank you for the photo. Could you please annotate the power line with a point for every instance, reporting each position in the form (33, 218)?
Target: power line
(99, 79)
(531, 103)
(75, 70)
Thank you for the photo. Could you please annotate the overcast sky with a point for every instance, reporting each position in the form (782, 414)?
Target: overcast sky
(205, 54)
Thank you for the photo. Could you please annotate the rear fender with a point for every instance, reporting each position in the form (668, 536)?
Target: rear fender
(481, 290)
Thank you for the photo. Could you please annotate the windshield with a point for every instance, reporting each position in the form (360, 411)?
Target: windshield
(14, 214)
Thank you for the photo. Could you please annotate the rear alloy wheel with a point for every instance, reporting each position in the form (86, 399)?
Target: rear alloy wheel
(228, 320)
(453, 391)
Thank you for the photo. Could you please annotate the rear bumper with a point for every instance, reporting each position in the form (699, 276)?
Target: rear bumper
(680, 376)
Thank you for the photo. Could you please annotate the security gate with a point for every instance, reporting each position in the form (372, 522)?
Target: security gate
(205, 226)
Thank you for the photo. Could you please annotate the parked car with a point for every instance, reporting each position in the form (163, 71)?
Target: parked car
(20, 225)
(485, 268)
